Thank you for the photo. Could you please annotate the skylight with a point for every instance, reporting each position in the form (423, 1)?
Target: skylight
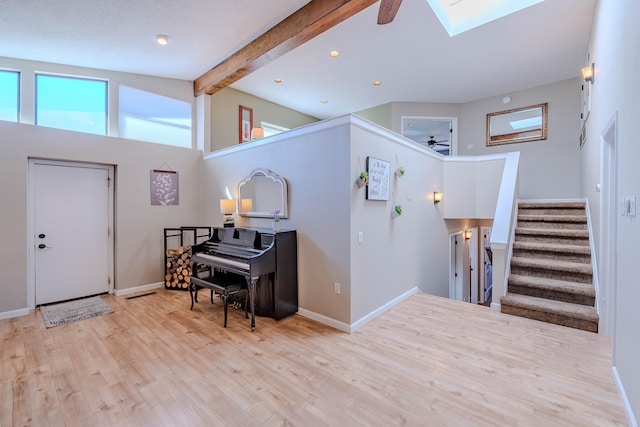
(533, 123)
(458, 16)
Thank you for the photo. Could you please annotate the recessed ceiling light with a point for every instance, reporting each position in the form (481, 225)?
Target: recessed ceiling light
(324, 101)
(277, 80)
(377, 83)
(162, 39)
(334, 53)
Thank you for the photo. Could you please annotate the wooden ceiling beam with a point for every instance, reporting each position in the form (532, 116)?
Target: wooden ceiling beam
(313, 19)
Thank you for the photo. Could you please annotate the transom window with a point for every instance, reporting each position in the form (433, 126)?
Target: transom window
(9, 95)
(147, 116)
(71, 103)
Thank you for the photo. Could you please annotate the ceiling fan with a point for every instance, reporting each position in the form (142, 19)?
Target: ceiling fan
(432, 143)
(388, 10)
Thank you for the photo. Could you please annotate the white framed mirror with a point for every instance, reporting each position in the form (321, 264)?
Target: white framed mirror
(517, 125)
(262, 193)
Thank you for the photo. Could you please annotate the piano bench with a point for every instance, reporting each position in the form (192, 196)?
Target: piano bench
(222, 285)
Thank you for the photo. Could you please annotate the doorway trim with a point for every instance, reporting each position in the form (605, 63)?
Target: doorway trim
(453, 148)
(608, 226)
(455, 262)
(31, 238)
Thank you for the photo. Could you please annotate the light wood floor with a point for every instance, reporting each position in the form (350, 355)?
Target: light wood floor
(427, 362)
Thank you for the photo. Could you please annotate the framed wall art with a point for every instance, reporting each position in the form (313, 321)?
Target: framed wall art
(245, 124)
(164, 188)
(378, 188)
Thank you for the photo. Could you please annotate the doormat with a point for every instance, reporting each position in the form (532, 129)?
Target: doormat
(72, 311)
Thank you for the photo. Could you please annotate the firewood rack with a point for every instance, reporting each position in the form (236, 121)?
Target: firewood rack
(177, 254)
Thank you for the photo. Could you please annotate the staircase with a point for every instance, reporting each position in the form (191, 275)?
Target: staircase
(551, 277)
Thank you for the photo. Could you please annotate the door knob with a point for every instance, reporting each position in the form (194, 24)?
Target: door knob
(42, 246)
(41, 236)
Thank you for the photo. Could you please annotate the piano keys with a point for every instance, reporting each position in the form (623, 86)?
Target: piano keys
(265, 259)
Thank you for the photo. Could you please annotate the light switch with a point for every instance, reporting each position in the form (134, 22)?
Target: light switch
(632, 206)
(360, 237)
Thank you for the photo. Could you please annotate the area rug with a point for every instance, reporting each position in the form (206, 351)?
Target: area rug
(72, 311)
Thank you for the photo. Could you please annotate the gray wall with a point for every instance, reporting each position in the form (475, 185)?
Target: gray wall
(224, 116)
(558, 156)
(321, 163)
(138, 225)
(549, 168)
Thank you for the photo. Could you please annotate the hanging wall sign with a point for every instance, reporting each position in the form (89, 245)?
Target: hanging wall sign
(378, 188)
(164, 188)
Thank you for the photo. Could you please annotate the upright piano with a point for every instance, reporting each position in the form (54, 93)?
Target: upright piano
(267, 260)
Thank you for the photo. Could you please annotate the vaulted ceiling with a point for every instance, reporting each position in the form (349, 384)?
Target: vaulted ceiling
(413, 57)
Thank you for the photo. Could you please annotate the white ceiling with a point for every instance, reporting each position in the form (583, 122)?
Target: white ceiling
(413, 56)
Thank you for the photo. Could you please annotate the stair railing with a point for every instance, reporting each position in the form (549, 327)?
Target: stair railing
(503, 229)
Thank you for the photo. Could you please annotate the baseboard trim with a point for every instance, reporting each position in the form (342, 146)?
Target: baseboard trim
(627, 406)
(328, 321)
(14, 313)
(377, 312)
(495, 306)
(345, 327)
(136, 289)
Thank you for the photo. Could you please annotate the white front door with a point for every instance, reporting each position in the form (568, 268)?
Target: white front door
(71, 230)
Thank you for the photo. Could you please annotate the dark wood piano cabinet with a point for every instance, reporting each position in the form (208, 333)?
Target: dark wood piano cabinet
(277, 292)
(266, 259)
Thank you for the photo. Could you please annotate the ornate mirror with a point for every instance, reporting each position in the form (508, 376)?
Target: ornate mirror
(517, 125)
(262, 193)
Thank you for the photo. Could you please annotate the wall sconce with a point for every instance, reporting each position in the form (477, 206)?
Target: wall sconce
(437, 197)
(467, 234)
(228, 208)
(257, 133)
(588, 73)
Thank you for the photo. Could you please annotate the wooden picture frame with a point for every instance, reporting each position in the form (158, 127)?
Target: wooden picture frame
(245, 123)
(530, 125)
(379, 179)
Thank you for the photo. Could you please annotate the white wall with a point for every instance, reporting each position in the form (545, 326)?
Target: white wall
(549, 168)
(138, 225)
(177, 89)
(471, 186)
(615, 43)
(321, 162)
(398, 254)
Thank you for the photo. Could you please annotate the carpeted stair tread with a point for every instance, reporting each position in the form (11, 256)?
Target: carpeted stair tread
(551, 205)
(581, 219)
(552, 247)
(553, 265)
(552, 232)
(558, 312)
(553, 285)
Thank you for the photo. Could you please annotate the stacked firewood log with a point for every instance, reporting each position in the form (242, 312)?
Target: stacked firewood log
(178, 271)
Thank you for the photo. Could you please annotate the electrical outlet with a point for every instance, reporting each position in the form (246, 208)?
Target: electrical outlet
(336, 288)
